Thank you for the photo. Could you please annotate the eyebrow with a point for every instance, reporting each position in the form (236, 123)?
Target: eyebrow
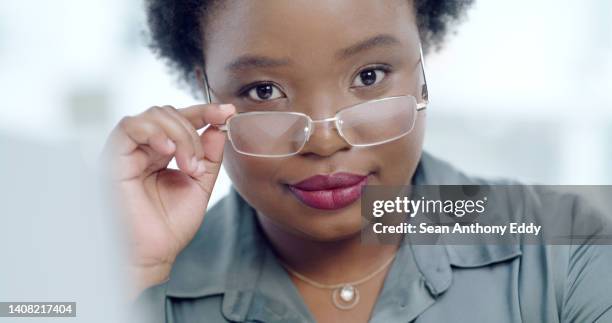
(255, 61)
(258, 61)
(382, 40)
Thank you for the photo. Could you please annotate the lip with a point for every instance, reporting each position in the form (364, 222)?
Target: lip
(329, 192)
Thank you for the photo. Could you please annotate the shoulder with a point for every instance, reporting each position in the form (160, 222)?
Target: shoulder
(433, 170)
(569, 267)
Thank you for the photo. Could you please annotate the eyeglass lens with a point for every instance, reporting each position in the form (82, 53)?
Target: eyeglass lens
(268, 133)
(281, 133)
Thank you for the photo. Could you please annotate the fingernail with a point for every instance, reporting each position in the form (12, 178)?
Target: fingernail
(226, 107)
(194, 164)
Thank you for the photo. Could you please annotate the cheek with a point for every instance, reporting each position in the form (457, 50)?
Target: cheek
(256, 179)
(243, 170)
(399, 159)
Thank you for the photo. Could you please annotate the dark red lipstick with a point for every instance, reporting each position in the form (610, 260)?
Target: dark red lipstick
(329, 192)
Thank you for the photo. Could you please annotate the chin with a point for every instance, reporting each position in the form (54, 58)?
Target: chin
(330, 229)
(298, 219)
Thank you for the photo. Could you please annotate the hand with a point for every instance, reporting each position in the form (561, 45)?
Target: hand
(163, 208)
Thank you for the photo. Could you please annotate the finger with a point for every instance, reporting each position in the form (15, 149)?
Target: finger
(193, 134)
(213, 141)
(185, 148)
(130, 166)
(204, 114)
(131, 132)
(131, 150)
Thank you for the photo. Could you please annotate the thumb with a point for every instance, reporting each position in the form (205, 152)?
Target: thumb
(213, 142)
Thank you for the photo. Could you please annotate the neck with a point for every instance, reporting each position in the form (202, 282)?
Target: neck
(327, 262)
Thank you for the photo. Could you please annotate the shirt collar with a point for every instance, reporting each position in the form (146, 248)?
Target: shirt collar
(433, 171)
(228, 254)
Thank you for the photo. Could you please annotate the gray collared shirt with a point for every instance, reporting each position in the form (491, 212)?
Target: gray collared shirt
(228, 273)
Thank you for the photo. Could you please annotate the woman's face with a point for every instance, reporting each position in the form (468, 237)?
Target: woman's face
(314, 57)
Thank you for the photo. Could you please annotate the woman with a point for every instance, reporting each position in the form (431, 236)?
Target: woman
(333, 78)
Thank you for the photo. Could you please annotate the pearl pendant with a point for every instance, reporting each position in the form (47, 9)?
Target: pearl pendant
(347, 293)
(345, 297)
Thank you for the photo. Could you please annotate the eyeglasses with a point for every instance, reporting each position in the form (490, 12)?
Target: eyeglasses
(283, 134)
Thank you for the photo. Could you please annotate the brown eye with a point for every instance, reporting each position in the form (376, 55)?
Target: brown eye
(264, 92)
(369, 77)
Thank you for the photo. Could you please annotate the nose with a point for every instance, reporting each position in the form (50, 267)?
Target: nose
(324, 140)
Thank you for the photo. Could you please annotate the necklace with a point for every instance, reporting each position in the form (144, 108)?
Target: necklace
(344, 296)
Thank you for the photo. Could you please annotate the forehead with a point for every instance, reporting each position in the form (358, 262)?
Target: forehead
(302, 29)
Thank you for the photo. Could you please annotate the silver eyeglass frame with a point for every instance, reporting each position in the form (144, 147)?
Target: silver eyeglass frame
(337, 122)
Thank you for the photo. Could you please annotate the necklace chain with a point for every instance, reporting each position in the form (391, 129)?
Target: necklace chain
(334, 286)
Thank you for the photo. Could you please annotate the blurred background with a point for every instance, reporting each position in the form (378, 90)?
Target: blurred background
(523, 90)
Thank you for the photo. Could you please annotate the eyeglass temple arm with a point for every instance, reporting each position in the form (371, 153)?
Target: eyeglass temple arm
(208, 100)
(207, 96)
(424, 91)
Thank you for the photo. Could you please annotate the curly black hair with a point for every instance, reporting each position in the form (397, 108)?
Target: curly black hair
(174, 27)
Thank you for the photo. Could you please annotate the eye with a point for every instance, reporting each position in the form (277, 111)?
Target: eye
(369, 77)
(264, 92)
